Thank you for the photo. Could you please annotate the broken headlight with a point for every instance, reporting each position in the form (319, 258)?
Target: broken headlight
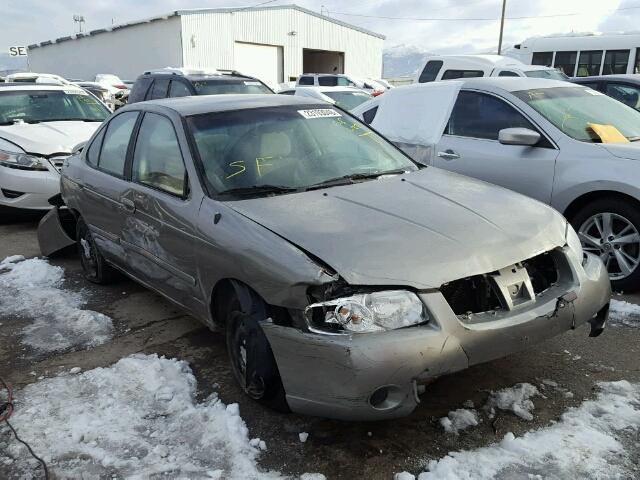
(367, 312)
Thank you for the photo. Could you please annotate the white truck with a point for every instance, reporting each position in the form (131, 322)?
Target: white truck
(449, 67)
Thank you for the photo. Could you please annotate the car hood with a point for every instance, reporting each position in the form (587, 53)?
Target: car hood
(48, 137)
(421, 229)
(630, 151)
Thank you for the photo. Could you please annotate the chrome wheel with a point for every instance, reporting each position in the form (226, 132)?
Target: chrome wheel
(615, 240)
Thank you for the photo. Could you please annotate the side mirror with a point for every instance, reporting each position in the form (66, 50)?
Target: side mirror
(518, 136)
(78, 148)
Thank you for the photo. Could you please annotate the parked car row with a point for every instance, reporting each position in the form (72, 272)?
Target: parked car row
(345, 270)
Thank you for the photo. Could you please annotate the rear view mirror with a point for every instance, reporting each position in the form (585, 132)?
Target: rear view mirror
(518, 136)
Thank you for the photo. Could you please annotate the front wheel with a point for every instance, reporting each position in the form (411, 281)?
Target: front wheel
(610, 228)
(252, 360)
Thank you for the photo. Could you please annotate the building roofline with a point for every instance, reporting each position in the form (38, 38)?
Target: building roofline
(280, 7)
(178, 13)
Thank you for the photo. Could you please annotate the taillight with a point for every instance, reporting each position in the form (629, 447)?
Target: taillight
(377, 92)
(121, 86)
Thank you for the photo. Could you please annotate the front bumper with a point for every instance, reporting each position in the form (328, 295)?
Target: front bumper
(343, 377)
(29, 190)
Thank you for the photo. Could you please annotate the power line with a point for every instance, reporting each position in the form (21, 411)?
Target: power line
(493, 19)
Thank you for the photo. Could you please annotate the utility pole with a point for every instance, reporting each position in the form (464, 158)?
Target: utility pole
(504, 7)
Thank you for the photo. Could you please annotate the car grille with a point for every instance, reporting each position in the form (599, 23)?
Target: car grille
(481, 293)
(58, 161)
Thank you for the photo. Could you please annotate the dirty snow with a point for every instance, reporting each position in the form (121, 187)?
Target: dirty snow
(459, 420)
(33, 289)
(303, 436)
(516, 399)
(624, 313)
(137, 419)
(586, 443)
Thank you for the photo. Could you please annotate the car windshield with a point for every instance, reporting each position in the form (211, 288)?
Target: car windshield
(573, 109)
(551, 74)
(221, 87)
(289, 147)
(34, 106)
(348, 100)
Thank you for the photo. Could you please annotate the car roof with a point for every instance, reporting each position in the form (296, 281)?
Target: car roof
(195, 77)
(196, 105)
(36, 86)
(635, 78)
(486, 60)
(514, 84)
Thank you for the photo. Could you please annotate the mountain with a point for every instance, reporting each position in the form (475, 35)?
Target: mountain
(402, 60)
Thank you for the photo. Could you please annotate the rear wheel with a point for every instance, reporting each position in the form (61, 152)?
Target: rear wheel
(610, 228)
(94, 267)
(252, 360)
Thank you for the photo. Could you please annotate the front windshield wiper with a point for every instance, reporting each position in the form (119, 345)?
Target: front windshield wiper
(348, 179)
(633, 139)
(259, 190)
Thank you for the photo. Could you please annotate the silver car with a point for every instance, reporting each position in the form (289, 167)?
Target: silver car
(344, 275)
(537, 137)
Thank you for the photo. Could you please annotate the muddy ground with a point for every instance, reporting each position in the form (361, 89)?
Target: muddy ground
(145, 322)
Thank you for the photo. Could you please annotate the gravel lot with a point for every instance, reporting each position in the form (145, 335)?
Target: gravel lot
(145, 323)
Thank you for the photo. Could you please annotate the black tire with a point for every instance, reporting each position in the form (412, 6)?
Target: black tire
(256, 371)
(94, 267)
(622, 210)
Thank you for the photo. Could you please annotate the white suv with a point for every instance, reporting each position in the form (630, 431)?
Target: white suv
(39, 126)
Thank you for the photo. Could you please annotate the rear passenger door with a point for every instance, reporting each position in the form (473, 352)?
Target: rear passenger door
(105, 206)
(470, 146)
(159, 236)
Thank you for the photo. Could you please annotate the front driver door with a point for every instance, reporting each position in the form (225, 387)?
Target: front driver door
(159, 236)
(470, 146)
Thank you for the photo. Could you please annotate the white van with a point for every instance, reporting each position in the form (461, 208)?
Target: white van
(448, 67)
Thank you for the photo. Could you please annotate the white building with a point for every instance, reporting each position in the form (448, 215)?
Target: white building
(274, 44)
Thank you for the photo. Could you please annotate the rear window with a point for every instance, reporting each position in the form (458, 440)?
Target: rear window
(218, 87)
(334, 82)
(451, 74)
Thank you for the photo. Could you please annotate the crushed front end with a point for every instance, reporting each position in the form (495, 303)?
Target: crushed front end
(330, 368)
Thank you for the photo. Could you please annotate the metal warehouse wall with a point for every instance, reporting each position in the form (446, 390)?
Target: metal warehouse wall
(127, 51)
(209, 39)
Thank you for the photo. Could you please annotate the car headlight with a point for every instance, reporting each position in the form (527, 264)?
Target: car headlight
(368, 312)
(573, 242)
(21, 161)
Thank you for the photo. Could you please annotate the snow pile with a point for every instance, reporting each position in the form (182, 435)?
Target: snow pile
(31, 289)
(458, 420)
(624, 313)
(137, 419)
(515, 399)
(583, 444)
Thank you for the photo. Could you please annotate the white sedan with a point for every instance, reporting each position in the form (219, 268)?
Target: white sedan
(39, 126)
(344, 97)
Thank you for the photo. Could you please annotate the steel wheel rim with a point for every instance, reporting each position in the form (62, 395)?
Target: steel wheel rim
(88, 256)
(251, 384)
(615, 240)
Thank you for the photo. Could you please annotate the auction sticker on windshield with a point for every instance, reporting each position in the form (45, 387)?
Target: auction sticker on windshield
(319, 113)
(74, 92)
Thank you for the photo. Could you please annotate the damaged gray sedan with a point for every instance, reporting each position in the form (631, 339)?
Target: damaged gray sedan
(345, 276)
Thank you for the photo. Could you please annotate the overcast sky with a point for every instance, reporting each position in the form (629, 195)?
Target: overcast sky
(23, 22)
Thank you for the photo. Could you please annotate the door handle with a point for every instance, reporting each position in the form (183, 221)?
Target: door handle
(448, 155)
(128, 205)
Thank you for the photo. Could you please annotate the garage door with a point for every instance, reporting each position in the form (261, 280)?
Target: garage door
(260, 61)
